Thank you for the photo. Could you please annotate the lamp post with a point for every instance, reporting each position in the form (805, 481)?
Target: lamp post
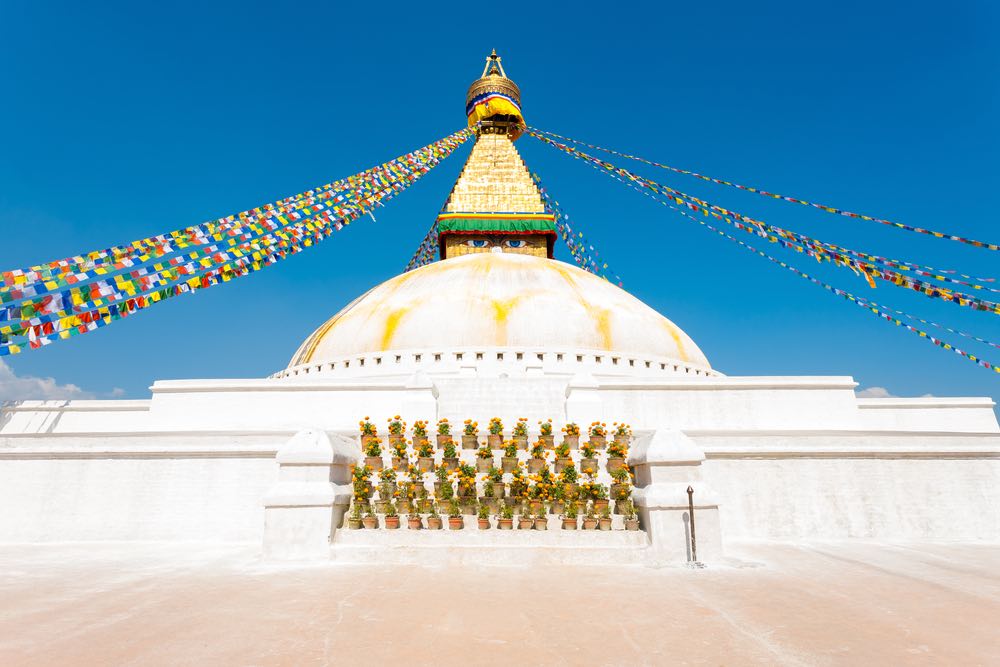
(694, 541)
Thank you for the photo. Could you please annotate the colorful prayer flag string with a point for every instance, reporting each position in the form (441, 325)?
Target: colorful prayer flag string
(773, 195)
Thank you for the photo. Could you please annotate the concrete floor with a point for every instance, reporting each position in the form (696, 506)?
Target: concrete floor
(817, 604)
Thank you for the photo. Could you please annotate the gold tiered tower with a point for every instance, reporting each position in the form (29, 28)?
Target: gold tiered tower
(495, 205)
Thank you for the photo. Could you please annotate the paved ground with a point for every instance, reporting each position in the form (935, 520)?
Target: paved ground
(821, 604)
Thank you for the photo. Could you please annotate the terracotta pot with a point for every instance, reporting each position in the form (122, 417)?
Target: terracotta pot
(404, 507)
(556, 507)
(425, 464)
(572, 440)
(598, 441)
(563, 463)
(381, 505)
(508, 463)
(589, 524)
(484, 524)
(354, 524)
(615, 463)
(588, 464)
(434, 523)
(398, 464)
(424, 505)
(419, 440)
(570, 489)
(534, 465)
(466, 490)
(414, 523)
(392, 522)
(450, 463)
(548, 440)
(600, 504)
(441, 439)
(370, 522)
(395, 438)
(631, 524)
(483, 464)
(505, 524)
(374, 462)
(456, 523)
(604, 524)
(568, 524)
(541, 524)
(535, 506)
(525, 523)
(499, 490)
(623, 441)
(522, 443)
(495, 440)
(470, 442)
(365, 439)
(489, 502)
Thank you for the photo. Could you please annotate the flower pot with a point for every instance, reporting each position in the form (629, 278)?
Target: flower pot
(534, 506)
(468, 506)
(456, 523)
(404, 506)
(425, 464)
(505, 524)
(556, 507)
(589, 524)
(572, 440)
(615, 463)
(541, 524)
(604, 524)
(622, 440)
(396, 438)
(495, 440)
(365, 439)
(354, 524)
(618, 489)
(419, 440)
(548, 441)
(588, 464)
(489, 502)
(568, 524)
(631, 524)
(392, 522)
(483, 464)
(598, 441)
(570, 489)
(434, 523)
(521, 442)
(424, 505)
(466, 490)
(499, 490)
(484, 524)
(525, 523)
(450, 463)
(441, 439)
(382, 505)
(414, 523)
(370, 522)
(534, 465)
(398, 464)
(563, 463)
(508, 463)
(600, 505)
(374, 462)
(470, 442)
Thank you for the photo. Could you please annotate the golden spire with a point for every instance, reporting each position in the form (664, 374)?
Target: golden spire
(493, 103)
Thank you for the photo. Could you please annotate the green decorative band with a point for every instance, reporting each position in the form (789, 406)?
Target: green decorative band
(512, 224)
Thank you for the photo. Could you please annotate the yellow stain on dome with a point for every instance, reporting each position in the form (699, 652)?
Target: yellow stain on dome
(501, 311)
(678, 341)
(392, 321)
(601, 317)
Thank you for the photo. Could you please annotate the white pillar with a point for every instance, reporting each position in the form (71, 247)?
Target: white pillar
(306, 504)
(666, 463)
(583, 400)
(419, 399)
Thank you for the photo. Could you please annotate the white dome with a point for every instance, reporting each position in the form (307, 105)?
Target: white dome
(501, 301)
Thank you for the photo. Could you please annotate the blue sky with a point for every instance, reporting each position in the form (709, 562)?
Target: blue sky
(129, 119)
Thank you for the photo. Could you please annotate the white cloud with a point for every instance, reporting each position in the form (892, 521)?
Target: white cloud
(17, 388)
(875, 392)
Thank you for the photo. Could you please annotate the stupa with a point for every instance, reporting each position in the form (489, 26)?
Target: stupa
(499, 327)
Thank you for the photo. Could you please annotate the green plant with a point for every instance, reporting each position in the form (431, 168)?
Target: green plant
(396, 425)
(546, 427)
(495, 475)
(621, 475)
(374, 447)
(538, 450)
(387, 475)
(356, 511)
(443, 427)
(483, 511)
(570, 511)
(399, 449)
(420, 429)
(569, 474)
(571, 429)
(414, 475)
(450, 450)
(454, 509)
(488, 489)
(434, 510)
(562, 450)
(496, 426)
(447, 491)
(617, 450)
(367, 428)
(470, 427)
(466, 472)
(628, 509)
(521, 428)
(542, 511)
(606, 512)
(588, 451)
(598, 429)
(485, 452)
(518, 484)
(591, 513)
(622, 430)
(390, 510)
(369, 511)
(506, 511)
(425, 450)
(442, 474)
(510, 449)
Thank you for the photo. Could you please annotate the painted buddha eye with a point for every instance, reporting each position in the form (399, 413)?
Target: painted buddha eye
(477, 243)
(515, 243)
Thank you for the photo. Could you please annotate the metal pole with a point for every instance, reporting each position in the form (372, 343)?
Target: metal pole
(694, 541)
